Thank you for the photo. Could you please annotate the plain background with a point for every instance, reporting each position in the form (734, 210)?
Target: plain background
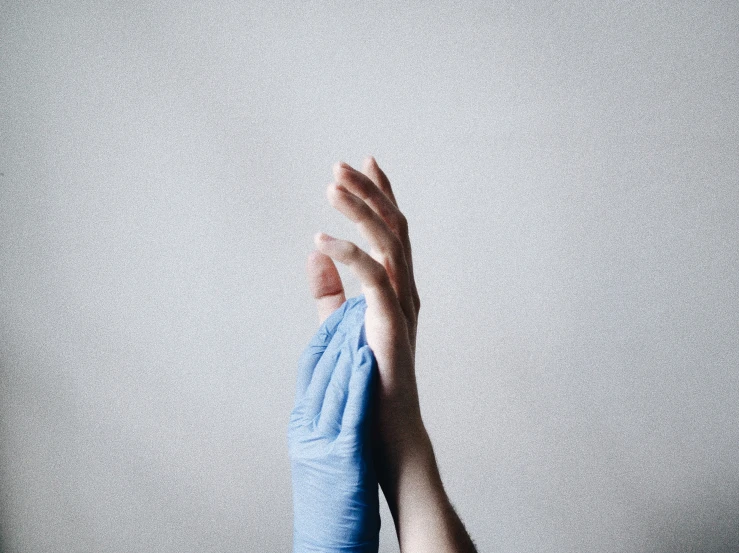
(570, 174)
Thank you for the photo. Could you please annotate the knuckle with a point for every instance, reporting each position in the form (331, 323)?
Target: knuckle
(352, 251)
(394, 248)
(363, 186)
(385, 213)
(412, 318)
(364, 211)
(380, 276)
(401, 223)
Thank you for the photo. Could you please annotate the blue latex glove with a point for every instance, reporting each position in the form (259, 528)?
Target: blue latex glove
(335, 493)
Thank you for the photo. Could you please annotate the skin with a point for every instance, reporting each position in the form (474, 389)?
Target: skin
(425, 520)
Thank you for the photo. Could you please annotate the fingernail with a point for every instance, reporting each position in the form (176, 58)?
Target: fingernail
(323, 237)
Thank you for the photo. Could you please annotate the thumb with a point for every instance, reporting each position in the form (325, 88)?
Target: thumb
(325, 284)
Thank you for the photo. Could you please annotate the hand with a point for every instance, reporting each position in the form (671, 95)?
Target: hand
(335, 494)
(406, 468)
(386, 275)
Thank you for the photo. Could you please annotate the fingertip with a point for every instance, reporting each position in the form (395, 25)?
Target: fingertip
(334, 192)
(316, 265)
(322, 239)
(314, 258)
(340, 166)
(367, 165)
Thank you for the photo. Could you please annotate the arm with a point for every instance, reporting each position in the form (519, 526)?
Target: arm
(424, 518)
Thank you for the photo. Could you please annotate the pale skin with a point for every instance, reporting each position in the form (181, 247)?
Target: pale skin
(425, 520)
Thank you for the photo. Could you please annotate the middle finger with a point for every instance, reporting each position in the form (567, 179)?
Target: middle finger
(362, 186)
(386, 246)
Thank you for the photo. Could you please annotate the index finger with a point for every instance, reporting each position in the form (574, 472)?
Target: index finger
(314, 351)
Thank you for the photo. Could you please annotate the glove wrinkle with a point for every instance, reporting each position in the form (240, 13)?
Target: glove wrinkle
(335, 491)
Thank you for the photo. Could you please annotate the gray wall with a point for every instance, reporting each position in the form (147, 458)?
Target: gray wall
(570, 174)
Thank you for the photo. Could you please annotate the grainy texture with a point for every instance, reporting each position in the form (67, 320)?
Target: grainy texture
(570, 174)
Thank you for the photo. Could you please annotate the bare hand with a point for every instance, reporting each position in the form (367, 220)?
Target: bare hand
(386, 276)
(406, 466)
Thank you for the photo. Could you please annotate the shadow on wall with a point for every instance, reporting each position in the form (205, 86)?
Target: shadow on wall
(709, 526)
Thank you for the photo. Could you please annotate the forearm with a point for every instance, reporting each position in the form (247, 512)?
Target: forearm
(425, 520)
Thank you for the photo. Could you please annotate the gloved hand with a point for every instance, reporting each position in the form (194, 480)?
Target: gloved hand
(335, 492)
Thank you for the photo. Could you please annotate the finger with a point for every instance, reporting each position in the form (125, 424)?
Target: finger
(386, 247)
(325, 284)
(312, 401)
(375, 282)
(378, 177)
(312, 354)
(334, 401)
(360, 393)
(363, 187)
